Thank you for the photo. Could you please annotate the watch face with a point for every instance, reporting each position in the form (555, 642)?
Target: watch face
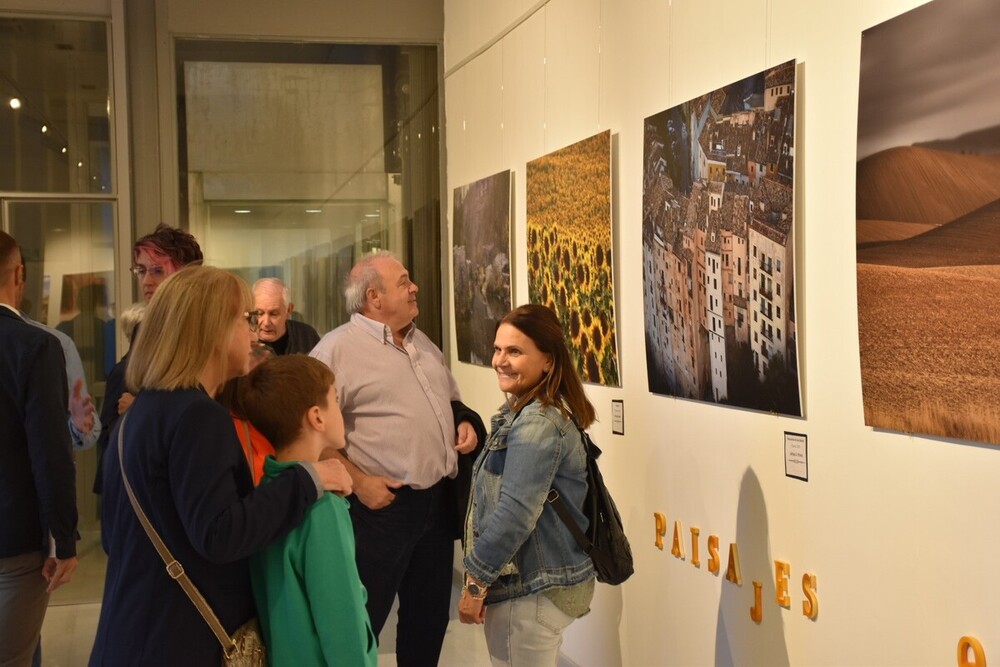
(475, 590)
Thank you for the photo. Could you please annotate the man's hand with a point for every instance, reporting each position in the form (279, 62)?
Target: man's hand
(465, 440)
(81, 409)
(373, 491)
(334, 476)
(125, 402)
(58, 571)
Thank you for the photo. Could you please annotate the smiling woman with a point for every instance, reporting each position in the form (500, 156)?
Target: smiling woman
(520, 559)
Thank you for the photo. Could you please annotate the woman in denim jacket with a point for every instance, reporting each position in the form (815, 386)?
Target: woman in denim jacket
(521, 560)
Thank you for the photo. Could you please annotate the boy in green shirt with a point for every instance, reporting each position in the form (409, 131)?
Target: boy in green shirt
(310, 600)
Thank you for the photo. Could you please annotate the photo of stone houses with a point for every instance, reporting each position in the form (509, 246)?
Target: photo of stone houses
(718, 246)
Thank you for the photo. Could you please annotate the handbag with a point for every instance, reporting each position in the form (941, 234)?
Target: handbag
(245, 648)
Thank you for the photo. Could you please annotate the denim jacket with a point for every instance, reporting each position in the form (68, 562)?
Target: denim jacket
(516, 543)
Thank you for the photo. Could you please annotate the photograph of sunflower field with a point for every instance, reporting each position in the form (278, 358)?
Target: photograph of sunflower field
(481, 255)
(928, 221)
(718, 246)
(569, 251)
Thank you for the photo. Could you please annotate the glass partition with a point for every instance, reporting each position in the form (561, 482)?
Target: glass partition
(55, 106)
(296, 159)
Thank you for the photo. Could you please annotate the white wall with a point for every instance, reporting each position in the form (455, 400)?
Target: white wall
(900, 531)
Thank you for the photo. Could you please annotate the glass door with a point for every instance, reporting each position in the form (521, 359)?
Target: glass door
(68, 250)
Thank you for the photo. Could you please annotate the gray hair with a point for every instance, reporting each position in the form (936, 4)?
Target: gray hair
(361, 278)
(130, 319)
(274, 284)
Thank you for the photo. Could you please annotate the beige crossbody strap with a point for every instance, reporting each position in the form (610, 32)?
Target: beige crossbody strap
(174, 568)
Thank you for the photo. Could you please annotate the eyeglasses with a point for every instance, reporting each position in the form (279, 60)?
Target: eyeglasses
(157, 272)
(253, 319)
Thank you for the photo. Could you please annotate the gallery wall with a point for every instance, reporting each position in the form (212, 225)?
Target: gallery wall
(899, 530)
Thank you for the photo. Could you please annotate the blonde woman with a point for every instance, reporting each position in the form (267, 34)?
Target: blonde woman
(188, 472)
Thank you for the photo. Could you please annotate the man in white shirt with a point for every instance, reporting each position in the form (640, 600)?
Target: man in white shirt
(400, 405)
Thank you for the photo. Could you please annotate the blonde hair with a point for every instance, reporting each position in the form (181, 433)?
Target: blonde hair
(187, 323)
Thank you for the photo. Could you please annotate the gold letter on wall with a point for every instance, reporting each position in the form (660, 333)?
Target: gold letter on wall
(695, 557)
(661, 529)
(678, 548)
(810, 606)
(978, 654)
(713, 554)
(781, 569)
(733, 571)
(757, 611)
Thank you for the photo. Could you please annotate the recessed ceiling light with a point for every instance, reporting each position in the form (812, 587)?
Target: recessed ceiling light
(15, 103)
(241, 210)
(64, 149)
(45, 128)
(314, 210)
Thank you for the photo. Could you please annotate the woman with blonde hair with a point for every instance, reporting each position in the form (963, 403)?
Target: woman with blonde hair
(184, 463)
(526, 577)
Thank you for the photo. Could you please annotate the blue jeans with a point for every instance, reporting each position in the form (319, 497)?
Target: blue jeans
(525, 631)
(407, 549)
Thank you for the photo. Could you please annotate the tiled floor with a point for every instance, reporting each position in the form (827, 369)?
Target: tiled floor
(68, 635)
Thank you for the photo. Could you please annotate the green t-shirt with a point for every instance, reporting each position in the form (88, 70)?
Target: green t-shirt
(310, 600)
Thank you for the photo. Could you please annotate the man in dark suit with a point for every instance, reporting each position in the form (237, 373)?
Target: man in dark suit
(37, 479)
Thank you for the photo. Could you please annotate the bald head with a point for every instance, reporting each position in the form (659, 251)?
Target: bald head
(272, 299)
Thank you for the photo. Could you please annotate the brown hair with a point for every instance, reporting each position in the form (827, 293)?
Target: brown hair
(561, 386)
(277, 394)
(166, 242)
(189, 320)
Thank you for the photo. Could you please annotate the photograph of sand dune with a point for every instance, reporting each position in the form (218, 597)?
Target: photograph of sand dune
(569, 251)
(928, 221)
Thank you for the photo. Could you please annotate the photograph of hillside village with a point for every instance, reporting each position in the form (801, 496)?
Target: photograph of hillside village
(718, 246)
(928, 221)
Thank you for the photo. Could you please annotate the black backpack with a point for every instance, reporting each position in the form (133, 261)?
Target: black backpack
(605, 541)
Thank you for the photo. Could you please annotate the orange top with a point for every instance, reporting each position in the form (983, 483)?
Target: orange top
(255, 446)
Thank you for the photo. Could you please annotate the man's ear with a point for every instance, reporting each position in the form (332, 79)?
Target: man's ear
(291, 307)
(314, 419)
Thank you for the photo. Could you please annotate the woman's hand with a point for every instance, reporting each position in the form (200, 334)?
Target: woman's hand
(471, 610)
(334, 476)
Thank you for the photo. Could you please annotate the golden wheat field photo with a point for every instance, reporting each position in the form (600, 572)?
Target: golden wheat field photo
(928, 222)
(569, 251)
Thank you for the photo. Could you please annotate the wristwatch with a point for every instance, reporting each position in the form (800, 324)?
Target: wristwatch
(475, 590)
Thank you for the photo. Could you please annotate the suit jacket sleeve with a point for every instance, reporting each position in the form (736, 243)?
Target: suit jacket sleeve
(49, 446)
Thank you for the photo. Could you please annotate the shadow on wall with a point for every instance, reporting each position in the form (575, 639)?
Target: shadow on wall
(738, 639)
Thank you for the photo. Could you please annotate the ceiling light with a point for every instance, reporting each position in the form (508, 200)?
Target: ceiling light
(241, 210)
(64, 149)
(314, 210)
(45, 128)
(15, 103)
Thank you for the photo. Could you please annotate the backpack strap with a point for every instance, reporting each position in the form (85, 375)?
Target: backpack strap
(559, 506)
